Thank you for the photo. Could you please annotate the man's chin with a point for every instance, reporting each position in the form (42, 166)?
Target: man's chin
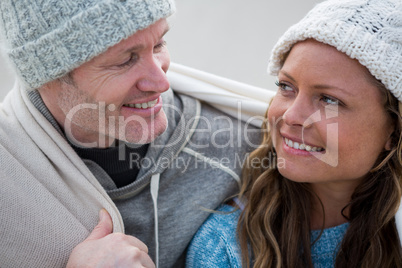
(147, 136)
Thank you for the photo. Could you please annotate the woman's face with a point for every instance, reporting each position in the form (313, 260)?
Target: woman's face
(327, 121)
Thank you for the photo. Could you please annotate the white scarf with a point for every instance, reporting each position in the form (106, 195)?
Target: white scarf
(47, 193)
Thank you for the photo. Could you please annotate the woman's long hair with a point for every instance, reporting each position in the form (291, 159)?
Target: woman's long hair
(274, 228)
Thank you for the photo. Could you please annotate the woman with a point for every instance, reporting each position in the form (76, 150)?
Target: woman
(335, 130)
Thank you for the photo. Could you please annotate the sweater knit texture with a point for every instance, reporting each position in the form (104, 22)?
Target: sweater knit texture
(369, 31)
(46, 39)
(216, 243)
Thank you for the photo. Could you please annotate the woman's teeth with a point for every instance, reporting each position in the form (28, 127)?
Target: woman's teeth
(302, 146)
(144, 105)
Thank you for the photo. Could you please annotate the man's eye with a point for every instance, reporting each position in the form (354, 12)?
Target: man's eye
(133, 58)
(160, 45)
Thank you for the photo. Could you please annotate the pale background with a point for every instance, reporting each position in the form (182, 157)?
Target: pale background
(230, 38)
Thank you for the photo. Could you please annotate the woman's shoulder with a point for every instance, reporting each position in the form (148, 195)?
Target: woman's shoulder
(222, 222)
(228, 212)
(215, 244)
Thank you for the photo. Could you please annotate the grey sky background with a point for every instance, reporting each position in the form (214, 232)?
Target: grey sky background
(230, 38)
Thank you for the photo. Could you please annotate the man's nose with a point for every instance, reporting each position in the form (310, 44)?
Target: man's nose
(154, 77)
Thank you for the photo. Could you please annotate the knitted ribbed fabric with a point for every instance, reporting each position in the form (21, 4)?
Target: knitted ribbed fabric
(323, 252)
(367, 30)
(216, 244)
(46, 39)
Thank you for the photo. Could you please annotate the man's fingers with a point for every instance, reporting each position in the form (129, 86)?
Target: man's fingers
(137, 243)
(104, 227)
(107, 249)
(140, 258)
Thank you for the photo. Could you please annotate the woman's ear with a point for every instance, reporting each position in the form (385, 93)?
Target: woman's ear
(388, 144)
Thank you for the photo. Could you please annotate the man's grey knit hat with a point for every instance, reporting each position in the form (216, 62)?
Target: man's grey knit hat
(46, 39)
(367, 30)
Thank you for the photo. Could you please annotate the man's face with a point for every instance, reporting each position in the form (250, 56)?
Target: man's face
(116, 95)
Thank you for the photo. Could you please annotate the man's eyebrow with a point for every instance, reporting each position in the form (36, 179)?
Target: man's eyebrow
(139, 47)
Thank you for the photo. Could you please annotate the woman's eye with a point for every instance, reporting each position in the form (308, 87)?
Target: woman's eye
(283, 86)
(330, 100)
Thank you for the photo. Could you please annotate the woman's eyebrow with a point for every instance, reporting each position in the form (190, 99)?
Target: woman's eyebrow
(319, 86)
(324, 86)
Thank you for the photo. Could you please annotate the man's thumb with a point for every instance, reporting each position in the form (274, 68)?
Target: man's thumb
(104, 227)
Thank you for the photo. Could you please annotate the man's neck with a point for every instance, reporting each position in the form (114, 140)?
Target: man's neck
(116, 160)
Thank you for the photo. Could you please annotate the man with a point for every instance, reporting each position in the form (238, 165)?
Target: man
(90, 126)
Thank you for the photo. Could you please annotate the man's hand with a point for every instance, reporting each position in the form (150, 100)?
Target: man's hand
(102, 248)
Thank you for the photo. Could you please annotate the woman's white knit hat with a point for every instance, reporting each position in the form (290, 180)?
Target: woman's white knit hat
(367, 30)
(46, 39)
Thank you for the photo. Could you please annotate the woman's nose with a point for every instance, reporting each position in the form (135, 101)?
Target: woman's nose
(300, 112)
